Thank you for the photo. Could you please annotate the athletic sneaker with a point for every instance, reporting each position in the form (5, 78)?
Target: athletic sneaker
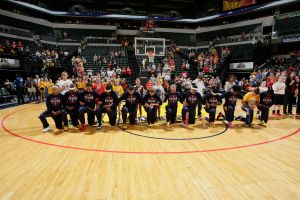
(66, 128)
(47, 129)
(248, 125)
(230, 125)
(226, 122)
(83, 127)
(100, 126)
(168, 123)
(149, 125)
(261, 122)
(212, 124)
(124, 126)
(79, 126)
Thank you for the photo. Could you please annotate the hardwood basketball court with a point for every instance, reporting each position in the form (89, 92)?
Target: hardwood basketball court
(148, 163)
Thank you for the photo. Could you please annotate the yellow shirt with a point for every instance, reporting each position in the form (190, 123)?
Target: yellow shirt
(118, 90)
(42, 84)
(49, 86)
(80, 85)
(251, 99)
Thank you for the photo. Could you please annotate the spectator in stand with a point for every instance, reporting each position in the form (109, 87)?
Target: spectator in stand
(95, 59)
(124, 72)
(215, 84)
(42, 86)
(49, 87)
(110, 73)
(187, 65)
(29, 85)
(19, 83)
(184, 74)
(271, 80)
(183, 65)
(110, 66)
(124, 84)
(263, 87)
(98, 86)
(9, 86)
(290, 89)
(64, 83)
(79, 51)
(159, 91)
(199, 84)
(246, 85)
(118, 71)
(103, 72)
(298, 95)
(80, 84)
(229, 83)
(128, 72)
(241, 82)
(279, 92)
(206, 69)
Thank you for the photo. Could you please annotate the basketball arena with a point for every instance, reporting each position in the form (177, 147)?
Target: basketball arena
(175, 99)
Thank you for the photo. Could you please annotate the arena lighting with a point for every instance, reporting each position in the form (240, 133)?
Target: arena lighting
(276, 3)
(136, 17)
(34, 7)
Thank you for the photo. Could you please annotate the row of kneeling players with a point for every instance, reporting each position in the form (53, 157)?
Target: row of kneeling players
(88, 101)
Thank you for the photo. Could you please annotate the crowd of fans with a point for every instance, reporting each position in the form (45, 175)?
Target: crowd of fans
(13, 48)
(50, 57)
(279, 74)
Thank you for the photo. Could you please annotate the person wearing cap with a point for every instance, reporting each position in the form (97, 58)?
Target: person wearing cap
(109, 103)
(151, 102)
(132, 100)
(55, 109)
(191, 100)
(231, 97)
(88, 100)
(266, 101)
(211, 101)
(250, 101)
(71, 105)
(171, 109)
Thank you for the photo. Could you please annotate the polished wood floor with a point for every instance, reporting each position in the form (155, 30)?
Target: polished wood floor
(147, 163)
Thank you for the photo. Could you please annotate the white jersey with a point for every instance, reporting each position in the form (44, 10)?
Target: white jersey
(263, 89)
(64, 85)
(200, 86)
(279, 87)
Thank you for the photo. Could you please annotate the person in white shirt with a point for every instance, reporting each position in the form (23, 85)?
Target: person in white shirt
(229, 83)
(200, 84)
(159, 90)
(263, 87)
(110, 73)
(279, 92)
(187, 66)
(64, 83)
